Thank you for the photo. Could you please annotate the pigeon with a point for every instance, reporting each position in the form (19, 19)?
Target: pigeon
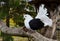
(40, 21)
(32, 23)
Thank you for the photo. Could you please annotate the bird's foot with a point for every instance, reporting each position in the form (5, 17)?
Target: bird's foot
(31, 31)
(28, 30)
(25, 29)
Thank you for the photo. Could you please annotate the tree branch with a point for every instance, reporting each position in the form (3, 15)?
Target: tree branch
(12, 31)
(19, 32)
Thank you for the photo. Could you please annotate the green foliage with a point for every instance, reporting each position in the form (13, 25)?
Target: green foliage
(6, 37)
(18, 9)
(15, 9)
(3, 12)
(13, 3)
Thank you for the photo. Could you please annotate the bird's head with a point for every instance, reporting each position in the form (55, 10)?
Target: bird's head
(27, 16)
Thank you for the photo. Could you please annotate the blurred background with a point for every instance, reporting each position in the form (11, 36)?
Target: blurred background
(11, 12)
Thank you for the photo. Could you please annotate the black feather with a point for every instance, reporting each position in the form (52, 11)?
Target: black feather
(36, 24)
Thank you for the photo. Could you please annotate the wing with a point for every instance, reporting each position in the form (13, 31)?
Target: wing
(42, 15)
(47, 21)
(42, 11)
